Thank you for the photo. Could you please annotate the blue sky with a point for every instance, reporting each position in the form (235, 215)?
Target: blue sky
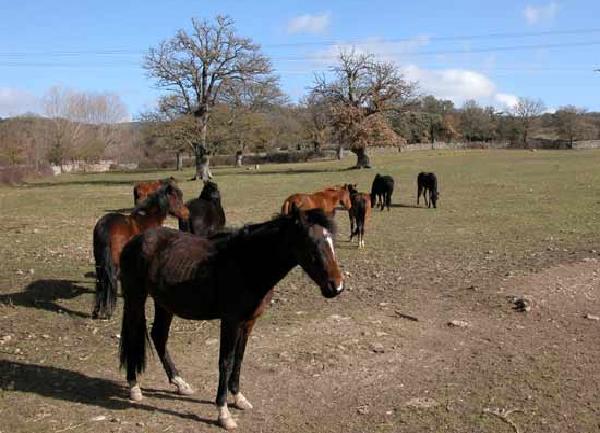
(454, 49)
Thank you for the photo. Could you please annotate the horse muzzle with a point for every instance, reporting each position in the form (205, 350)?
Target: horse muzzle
(332, 288)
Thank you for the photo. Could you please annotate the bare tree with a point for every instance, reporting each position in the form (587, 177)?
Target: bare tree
(527, 110)
(82, 123)
(569, 122)
(362, 87)
(245, 100)
(196, 67)
(316, 120)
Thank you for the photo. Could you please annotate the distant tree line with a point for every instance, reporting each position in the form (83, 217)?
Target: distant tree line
(222, 97)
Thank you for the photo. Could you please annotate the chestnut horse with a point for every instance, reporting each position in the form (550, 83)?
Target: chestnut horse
(141, 190)
(360, 214)
(326, 200)
(112, 232)
(228, 276)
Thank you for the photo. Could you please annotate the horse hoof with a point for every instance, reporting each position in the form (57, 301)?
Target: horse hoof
(241, 402)
(135, 393)
(228, 423)
(183, 388)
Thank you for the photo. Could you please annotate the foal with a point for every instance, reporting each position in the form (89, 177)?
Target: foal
(359, 214)
(206, 213)
(427, 185)
(227, 276)
(112, 232)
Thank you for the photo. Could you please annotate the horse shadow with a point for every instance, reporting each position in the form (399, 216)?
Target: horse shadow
(407, 206)
(70, 386)
(44, 294)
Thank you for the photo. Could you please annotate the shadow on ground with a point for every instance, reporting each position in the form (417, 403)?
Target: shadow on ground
(66, 385)
(44, 294)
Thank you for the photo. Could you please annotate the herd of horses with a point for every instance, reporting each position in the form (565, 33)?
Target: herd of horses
(204, 271)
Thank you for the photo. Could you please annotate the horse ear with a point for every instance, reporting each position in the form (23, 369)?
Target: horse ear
(296, 213)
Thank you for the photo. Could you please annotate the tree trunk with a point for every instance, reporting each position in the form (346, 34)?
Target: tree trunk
(239, 158)
(201, 159)
(362, 159)
(340, 151)
(179, 160)
(201, 153)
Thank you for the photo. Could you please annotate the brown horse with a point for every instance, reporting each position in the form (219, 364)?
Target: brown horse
(228, 276)
(112, 232)
(326, 200)
(142, 190)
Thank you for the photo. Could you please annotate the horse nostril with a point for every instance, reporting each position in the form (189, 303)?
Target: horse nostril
(336, 287)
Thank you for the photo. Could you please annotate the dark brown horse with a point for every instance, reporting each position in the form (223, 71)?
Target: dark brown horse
(142, 190)
(112, 232)
(360, 214)
(326, 200)
(427, 185)
(206, 213)
(227, 276)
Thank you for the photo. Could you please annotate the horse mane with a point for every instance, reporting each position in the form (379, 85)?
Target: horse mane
(312, 217)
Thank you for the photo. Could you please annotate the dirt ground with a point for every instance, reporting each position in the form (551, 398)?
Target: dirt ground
(382, 357)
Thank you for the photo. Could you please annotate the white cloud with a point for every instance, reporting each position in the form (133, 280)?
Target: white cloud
(309, 23)
(16, 101)
(457, 85)
(395, 51)
(507, 100)
(541, 13)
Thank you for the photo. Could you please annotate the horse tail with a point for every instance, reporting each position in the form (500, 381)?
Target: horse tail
(106, 272)
(134, 333)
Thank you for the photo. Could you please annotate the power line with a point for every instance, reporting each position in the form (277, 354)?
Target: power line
(357, 42)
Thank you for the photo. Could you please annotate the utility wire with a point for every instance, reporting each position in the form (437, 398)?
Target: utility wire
(357, 42)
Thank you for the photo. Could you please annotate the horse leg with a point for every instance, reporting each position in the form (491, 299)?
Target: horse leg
(234, 380)
(230, 333)
(419, 192)
(351, 224)
(160, 335)
(113, 290)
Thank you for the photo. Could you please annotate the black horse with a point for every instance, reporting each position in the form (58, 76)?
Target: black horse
(427, 185)
(381, 191)
(228, 276)
(206, 213)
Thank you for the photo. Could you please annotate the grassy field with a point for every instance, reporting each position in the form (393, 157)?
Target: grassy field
(508, 223)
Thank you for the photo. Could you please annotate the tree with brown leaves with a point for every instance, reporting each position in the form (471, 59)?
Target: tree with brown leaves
(360, 94)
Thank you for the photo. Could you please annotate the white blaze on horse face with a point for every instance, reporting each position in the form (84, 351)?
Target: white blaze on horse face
(329, 240)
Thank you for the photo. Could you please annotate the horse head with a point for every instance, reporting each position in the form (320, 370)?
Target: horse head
(173, 196)
(210, 192)
(344, 196)
(312, 243)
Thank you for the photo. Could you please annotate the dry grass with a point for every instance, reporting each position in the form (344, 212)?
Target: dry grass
(310, 366)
